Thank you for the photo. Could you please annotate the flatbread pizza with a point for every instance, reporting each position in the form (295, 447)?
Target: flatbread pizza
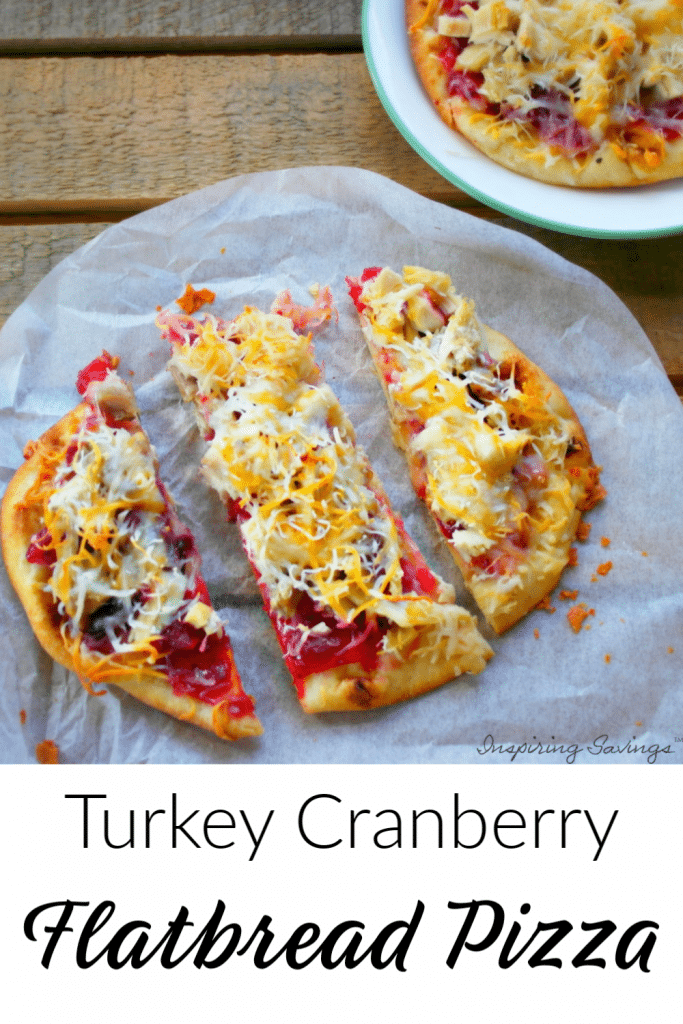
(107, 573)
(360, 618)
(494, 448)
(569, 92)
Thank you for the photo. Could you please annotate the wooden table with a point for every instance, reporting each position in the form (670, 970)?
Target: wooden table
(110, 108)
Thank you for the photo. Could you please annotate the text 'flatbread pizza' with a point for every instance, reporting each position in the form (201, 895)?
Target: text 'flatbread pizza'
(571, 92)
(494, 448)
(360, 618)
(108, 575)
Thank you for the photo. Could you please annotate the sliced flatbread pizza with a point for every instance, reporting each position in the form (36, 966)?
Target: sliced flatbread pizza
(360, 618)
(494, 448)
(107, 573)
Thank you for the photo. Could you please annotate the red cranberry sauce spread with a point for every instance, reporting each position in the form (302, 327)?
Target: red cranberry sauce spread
(327, 641)
(197, 664)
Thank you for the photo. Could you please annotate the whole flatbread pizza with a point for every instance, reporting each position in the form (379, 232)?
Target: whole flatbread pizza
(569, 92)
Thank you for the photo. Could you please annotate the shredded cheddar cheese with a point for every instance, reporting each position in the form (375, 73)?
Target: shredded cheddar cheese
(496, 455)
(282, 453)
(597, 75)
(104, 517)
(476, 426)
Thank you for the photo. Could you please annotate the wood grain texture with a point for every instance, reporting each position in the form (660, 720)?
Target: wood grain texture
(28, 252)
(111, 18)
(86, 131)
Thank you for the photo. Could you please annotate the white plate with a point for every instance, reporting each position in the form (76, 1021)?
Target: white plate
(640, 212)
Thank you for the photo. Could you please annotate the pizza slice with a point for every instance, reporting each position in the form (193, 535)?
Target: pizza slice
(566, 91)
(494, 449)
(108, 575)
(360, 618)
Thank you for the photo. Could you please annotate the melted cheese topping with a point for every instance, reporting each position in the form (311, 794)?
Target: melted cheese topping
(489, 456)
(283, 452)
(115, 575)
(603, 60)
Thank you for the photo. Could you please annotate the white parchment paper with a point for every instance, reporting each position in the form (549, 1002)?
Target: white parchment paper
(611, 693)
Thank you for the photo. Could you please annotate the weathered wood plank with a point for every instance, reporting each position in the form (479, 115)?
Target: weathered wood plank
(143, 129)
(97, 19)
(28, 252)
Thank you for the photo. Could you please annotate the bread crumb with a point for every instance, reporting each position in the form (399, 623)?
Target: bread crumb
(568, 595)
(644, 554)
(159, 309)
(47, 752)
(669, 650)
(537, 632)
(605, 541)
(222, 250)
(638, 725)
(544, 605)
(608, 658)
(191, 301)
(583, 530)
(573, 557)
(604, 568)
(22, 717)
(578, 614)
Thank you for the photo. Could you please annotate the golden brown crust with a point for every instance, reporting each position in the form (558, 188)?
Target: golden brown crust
(601, 169)
(20, 519)
(613, 164)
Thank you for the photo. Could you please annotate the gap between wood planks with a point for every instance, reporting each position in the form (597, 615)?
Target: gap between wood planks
(117, 46)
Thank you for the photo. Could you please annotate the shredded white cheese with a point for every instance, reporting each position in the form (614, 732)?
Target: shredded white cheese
(283, 450)
(114, 566)
(601, 59)
(461, 415)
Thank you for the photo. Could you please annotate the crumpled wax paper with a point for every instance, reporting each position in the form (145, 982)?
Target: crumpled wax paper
(609, 693)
